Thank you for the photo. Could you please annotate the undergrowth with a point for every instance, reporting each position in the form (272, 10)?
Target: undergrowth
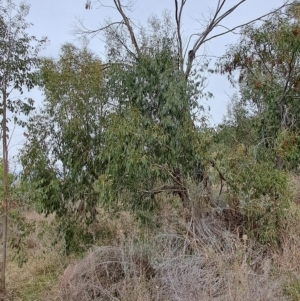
(186, 254)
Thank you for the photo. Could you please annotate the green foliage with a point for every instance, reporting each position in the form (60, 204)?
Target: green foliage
(261, 135)
(100, 135)
(18, 64)
(150, 136)
(123, 133)
(267, 60)
(21, 229)
(60, 156)
(287, 146)
(258, 192)
(10, 183)
(19, 53)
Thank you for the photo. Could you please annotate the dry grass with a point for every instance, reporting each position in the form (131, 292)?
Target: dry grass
(287, 260)
(44, 261)
(188, 256)
(107, 273)
(204, 262)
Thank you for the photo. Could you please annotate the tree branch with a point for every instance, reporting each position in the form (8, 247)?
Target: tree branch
(245, 24)
(178, 14)
(129, 27)
(161, 189)
(216, 19)
(89, 31)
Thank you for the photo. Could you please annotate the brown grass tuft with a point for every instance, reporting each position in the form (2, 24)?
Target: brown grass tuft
(107, 273)
(204, 262)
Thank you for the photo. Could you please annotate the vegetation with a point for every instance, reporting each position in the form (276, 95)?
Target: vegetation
(127, 193)
(267, 60)
(18, 61)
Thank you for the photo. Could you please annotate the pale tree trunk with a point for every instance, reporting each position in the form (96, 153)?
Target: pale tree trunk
(4, 196)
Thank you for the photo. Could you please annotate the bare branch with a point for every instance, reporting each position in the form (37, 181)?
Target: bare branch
(123, 44)
(216, 19)
(161, 189)
(95, 31)
(205, 35)
(210, 27)
(129, 27)
(125, 22)
(245, 24)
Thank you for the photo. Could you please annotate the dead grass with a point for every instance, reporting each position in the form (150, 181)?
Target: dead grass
(287, 259)
(188, 256)
(104, 275)
(44, 261)
(204, 262)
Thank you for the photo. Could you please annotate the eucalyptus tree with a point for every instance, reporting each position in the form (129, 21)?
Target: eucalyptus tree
(162, 81)
(125, 31)
(150, 143)
(19, 60)
(259, 140)
(266, 59)
(60, 156)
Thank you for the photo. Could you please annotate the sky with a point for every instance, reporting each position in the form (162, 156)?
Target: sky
(56, 19)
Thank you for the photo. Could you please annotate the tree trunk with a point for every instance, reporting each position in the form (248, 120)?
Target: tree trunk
(4, 196)
(181, 188)
(283, 126)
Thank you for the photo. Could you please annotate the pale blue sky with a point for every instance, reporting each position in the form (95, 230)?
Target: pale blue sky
(56, 19)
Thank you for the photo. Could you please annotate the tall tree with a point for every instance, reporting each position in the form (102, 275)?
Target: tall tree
(127, 45)
(19, 60)
(150, 142)
(267, 61)
(60, 157)
(125, 31)
(146, 77)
